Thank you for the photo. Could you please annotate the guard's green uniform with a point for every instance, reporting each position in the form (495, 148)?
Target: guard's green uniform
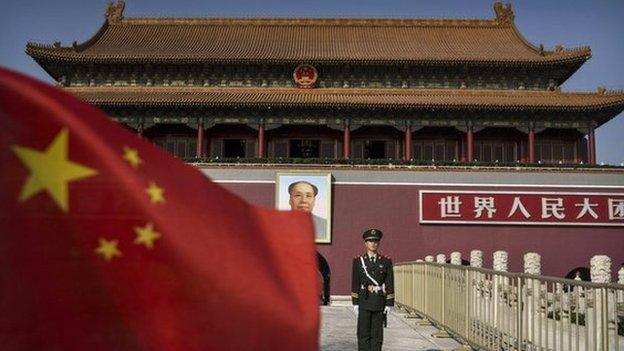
(372, 300)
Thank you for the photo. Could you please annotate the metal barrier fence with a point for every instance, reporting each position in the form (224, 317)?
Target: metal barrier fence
(496, 310)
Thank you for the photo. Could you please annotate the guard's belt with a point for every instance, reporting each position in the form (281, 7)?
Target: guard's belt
(375, 289)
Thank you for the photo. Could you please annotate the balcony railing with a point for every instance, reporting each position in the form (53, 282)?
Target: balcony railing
(496, 310)
(400, 164)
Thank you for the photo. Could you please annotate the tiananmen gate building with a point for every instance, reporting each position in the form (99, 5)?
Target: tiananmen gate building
(446, 134)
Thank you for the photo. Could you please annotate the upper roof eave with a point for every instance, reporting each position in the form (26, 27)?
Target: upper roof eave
(65, 55)
(121, 28)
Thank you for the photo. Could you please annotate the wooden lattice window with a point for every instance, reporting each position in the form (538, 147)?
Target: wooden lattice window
(438, 150)
(495, 151)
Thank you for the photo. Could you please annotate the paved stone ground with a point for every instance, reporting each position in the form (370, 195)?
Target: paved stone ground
(338, 324)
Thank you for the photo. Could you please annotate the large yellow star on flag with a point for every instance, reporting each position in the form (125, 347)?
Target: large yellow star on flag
(156, 193)
(132, 156)
(146, 235)
(50, 170)
(108, 249)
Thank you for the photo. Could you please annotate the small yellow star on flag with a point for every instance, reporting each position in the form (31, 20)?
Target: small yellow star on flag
(51, 171)
(156, 193)
(108, 249)
(146, 235)
(132, 156)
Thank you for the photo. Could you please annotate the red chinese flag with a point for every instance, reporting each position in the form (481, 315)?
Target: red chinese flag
(109, 243)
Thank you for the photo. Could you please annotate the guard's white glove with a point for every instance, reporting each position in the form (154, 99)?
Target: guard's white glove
(387, 309)
(356, 309)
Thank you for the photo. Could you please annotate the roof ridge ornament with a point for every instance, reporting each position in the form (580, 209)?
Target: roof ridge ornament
(504, 13)
(114, 11)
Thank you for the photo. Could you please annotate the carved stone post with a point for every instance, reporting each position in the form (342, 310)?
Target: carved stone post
(581, 293)
(441, 258)
(600, 271)
(427, 305)
(476, 258)
(499, 285)
(532, 265)
(500, 261)
(456, 258)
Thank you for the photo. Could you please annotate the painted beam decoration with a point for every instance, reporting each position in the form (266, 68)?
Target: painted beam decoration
(521, 208)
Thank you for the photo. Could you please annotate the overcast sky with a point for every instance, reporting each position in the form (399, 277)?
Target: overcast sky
(569, 23)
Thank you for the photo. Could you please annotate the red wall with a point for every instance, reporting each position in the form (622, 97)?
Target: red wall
(394, 210)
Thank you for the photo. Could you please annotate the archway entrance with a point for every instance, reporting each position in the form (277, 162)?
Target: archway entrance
(583, 272)
(324, 279)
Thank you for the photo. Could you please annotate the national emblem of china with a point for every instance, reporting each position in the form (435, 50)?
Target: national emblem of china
(305, 76)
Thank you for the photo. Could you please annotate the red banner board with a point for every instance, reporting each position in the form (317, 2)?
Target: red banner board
(521, 208)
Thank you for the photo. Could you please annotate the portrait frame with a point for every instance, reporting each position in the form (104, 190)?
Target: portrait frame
(322, 210)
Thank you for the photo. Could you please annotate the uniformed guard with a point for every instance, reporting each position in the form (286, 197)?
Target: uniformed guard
(372, 292)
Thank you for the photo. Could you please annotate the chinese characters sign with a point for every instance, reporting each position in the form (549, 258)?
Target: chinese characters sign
(521, 208)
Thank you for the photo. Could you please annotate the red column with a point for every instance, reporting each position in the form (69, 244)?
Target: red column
(531, 145)
(578, 151)
(346, 142)
(461, 153)
(200, 140)
(591, 144)
(469, 150)
(408, 143)
(261, 140)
